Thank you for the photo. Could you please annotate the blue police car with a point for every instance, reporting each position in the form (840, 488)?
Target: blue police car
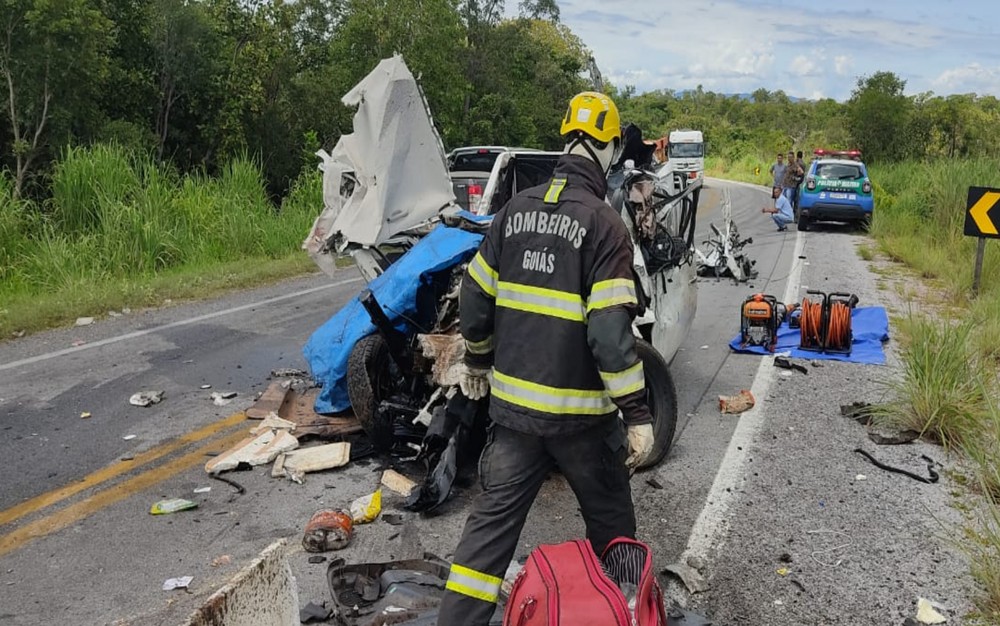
(836, 188)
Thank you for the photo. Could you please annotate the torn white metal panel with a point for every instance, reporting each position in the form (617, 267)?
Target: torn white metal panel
(386, 177)
(675, 302)
(259, 449)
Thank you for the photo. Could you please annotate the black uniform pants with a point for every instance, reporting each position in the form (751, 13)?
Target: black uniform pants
(512, 469)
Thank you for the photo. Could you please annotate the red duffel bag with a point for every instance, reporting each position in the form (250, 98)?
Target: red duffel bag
(567, 585)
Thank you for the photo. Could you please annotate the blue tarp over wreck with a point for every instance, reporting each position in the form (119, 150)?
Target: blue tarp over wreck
(329, 347)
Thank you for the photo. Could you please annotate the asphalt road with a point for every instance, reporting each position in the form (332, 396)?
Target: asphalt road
(78, 544)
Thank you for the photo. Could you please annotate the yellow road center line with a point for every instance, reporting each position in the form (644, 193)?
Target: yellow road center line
(107, 473)
(88, 506)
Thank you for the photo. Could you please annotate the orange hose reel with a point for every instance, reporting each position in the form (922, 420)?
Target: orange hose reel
(825, 324)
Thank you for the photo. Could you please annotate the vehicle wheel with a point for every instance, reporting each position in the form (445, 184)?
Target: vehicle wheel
(803, 223)
(369, 382)
(662, 399)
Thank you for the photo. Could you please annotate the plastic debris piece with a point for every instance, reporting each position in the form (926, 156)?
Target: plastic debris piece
(691, 578)
(394, 481)
(314, 612)
(257, 450)
(173, 505)
(926, 614)
(327, 529)
(219, 561)
(146, 398)
(744, 401)
(206, 386)
(783, 571)
(202, 489)
(84, 321)
(366, 508)
(177, 583)
(128, 437)
(860, 477)
(222, 398)
(317, 558)
(273, 421)
(655, 484)
(85, 415)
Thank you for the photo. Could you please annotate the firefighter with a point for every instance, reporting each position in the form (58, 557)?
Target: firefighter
(546, 311)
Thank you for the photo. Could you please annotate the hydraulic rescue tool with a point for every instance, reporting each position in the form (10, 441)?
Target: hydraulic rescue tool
(825, 324)
(759, 321)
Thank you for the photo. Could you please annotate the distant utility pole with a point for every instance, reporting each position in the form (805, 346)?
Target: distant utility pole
(595, 74)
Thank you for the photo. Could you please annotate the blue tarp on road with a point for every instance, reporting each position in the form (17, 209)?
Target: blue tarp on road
(330, 345)
(870, 326)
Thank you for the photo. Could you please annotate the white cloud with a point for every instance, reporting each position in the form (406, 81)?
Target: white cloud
(970, 78)
(842, 64)
(803, 66)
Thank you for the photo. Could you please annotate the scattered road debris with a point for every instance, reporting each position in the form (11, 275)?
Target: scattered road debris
(240, 490)
(739, 403)
(690, 576)
(177, 583)
(84, 321)
(926, 613)
(146, 398)
(783, 571)
(394, 481)
(931, 478)
(680, 617)
(327, 529)
(829, 550)
(219, 561)
(289, 372)
(393, 519)
(76, 343)
(270, 401)
(254, 450)
(202, 489)
(222, 398)
(366, 508)
(398, 592)
(861, 412)
(785, 363)
(884, 438)
(172, 505)
(295, 465)
(129, 437)
(206, 386)
(85, 415)
(272, 421)
(655, 484)
(315, 612)
(860, 477)
(317, 558)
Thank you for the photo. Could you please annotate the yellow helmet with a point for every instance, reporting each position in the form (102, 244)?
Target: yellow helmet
(593, 114)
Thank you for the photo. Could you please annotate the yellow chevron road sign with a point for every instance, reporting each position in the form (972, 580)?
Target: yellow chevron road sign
(983, 213)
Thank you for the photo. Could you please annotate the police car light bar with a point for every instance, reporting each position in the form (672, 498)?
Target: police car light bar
(837, 153)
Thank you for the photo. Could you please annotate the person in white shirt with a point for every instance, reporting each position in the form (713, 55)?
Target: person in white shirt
(782, 213)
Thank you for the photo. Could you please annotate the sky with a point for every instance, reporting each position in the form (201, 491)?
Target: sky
(809, 50)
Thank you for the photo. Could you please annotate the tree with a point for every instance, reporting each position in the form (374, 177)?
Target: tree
(53, 60)
(539, 9)
(878, 116)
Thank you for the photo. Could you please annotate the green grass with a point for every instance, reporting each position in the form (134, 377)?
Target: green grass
(121, 230)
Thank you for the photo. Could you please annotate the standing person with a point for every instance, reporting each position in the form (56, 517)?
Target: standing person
(790, 182)
(778, 170)
(782, 212)
(547, 305)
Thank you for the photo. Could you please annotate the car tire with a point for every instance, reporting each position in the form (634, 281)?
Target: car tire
(662, 399)
(369, 382)
(803, 222)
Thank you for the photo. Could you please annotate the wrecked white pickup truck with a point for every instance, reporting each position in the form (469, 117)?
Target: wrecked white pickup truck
(392, 353)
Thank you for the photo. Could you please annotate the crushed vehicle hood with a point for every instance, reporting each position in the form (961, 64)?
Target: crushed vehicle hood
(386, 177)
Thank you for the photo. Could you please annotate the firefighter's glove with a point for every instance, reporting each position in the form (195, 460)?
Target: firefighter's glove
(474, 382)
(640, 444)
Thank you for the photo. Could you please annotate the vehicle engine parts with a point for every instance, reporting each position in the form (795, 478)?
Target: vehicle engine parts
(759, 321)
(825, 324)
(725, 256)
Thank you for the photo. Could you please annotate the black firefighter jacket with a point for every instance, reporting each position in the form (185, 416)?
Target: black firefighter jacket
(548, 301)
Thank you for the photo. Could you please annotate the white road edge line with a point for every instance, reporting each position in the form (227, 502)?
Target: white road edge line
(712, 520)
(193, 320)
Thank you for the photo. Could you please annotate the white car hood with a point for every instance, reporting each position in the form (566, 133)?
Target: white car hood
(395, 155)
